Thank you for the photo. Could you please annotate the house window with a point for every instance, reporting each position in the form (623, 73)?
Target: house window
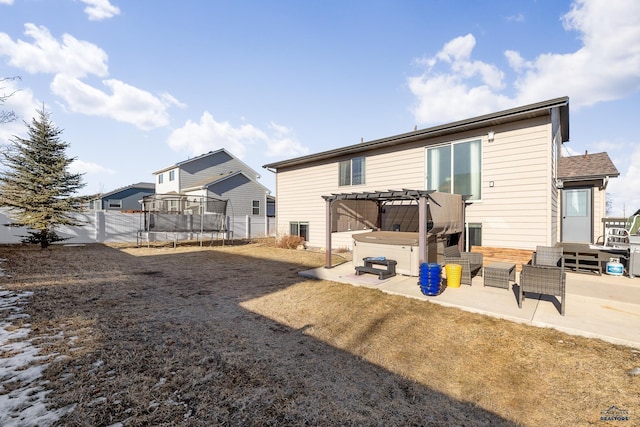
(115, 204)
(352, 171)
(475, 234)
(255, 207)
(300, 229)
(160, 178)
(456, 168)
(172, 175)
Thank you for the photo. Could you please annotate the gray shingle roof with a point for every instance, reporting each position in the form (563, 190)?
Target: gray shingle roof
(588, 165)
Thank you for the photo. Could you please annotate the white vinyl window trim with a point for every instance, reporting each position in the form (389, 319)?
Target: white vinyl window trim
(352, 171)
(455, 168)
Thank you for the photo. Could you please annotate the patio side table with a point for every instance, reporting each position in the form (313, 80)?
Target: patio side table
(498, 274)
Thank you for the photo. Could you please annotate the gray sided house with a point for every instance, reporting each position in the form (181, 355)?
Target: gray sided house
(123, 199)
(217, 174)
(508, 165)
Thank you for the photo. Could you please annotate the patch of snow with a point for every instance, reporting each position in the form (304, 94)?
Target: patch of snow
(21, 367)
(635, 371)
(160, 383)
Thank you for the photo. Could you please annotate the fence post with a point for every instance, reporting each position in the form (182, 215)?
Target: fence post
(248, 226)
(100, 226)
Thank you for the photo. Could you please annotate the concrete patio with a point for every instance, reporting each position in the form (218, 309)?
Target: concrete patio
(604, 307)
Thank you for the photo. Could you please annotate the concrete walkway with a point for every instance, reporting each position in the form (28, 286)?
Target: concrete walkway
(605, 307)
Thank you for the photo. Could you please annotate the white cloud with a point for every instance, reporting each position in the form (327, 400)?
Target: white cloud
(23, 103)
(606, 67)
(8, 2)
(208, 134)
(623, 191)
(516, 18)
(516, 61)
(283, 142)
(73, 59)
(169, 99)
(98, 10)
(80, 166)
(468, 89)
(47, 55)
(123, 102)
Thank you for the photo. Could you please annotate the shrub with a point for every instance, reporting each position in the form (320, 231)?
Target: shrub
(289, 241)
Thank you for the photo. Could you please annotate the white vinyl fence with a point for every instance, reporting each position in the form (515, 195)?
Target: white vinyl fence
(121, 227)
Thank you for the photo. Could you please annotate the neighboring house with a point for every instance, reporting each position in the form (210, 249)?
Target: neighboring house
(584, 180)
(123, 199)
(507, 163)
(271, 206)
(220, 175)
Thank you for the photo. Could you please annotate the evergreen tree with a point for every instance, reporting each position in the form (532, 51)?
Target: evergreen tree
(36, 185)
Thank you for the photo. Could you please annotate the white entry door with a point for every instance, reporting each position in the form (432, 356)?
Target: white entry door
(576, 215)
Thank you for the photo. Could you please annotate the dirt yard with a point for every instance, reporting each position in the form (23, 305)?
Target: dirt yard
(193, 336)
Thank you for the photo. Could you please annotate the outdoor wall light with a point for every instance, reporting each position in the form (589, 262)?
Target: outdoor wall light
(491, 135)
(490, 183)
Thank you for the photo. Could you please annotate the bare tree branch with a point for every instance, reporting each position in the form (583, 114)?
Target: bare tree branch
(5, 115)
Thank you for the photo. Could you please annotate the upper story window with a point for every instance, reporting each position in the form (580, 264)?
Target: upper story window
(456, 168)
(172, 175)
(352, 171)
(255, 207)
(160, 178)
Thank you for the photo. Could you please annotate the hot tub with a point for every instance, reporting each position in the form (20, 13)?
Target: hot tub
(396, 245)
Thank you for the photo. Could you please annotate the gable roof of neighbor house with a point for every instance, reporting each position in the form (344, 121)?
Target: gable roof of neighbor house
(219, 178)
(200, 157)
(139, 185)
(525, 112)
(586, 166)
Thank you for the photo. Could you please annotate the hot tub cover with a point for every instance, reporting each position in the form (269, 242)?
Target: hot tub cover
(388, 238)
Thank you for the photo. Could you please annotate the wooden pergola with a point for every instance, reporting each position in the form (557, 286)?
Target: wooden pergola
(421, 197)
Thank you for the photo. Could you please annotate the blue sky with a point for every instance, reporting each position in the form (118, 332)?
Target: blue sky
(140, 85)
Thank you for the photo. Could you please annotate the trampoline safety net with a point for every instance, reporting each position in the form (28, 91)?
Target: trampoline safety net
(173, 213)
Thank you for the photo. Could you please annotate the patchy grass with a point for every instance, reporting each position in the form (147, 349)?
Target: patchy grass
(232, 335)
